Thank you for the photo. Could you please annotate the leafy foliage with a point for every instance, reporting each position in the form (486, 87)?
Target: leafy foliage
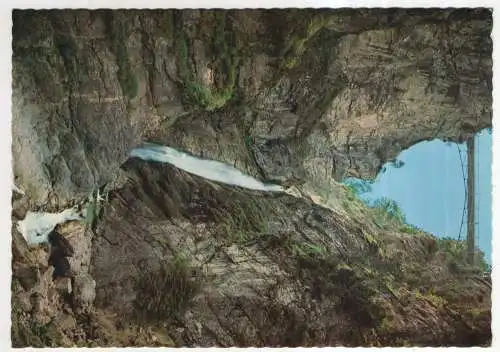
(93, 209)
(226, 60)
(296, 43)
(385, 209)
(307, 250)
(409, 228)
(456, 250)
(358, 186)
(389, 207)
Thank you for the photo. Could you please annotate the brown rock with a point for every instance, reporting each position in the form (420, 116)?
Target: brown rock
(83, 291)
(60, 244)
(63, 286)
(28, 275)
(20, 207)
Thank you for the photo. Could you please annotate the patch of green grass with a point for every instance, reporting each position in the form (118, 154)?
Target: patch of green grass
(386, 212)
(315, 249)
(356, 187)
(411, 229)
(371, 239)
(456, 252)
(205, 97)
(240, 221)
(344, 266)
(436, 301)
(351, 192)
(305, 249)
(164, 294)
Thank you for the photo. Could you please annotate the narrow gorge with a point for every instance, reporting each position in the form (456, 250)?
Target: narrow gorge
(177, 176)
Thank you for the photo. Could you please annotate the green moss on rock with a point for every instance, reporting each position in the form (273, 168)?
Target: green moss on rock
(226, 61)
(296, 44)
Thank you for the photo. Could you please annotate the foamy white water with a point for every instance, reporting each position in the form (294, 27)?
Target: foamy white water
(36, 227)
(209, 169)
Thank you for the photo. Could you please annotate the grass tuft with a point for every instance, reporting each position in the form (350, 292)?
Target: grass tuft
(165, 294)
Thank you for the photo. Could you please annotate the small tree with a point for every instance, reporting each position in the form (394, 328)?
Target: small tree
(358, 186)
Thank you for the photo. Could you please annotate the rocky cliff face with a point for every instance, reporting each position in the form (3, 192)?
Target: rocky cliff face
(295, 96)
(286, 96)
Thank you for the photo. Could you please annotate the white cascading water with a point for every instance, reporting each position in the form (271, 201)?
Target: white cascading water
(35, 227)
(209, 169)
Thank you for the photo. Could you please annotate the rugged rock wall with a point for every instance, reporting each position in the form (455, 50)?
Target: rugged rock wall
(291, 96)
(275, 270)
(285, 95)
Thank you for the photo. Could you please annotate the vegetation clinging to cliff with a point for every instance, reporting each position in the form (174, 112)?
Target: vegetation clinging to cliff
(226, 60)
(387, 214)
(167, 292)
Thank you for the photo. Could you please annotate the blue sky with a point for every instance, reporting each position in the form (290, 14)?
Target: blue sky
(430, 189)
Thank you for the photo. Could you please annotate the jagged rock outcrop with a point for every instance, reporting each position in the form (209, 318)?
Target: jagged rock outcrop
(274, 270)
(284, 95)
(295, 96)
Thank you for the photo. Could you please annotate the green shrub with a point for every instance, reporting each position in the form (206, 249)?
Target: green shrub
(165, 294)
(411, 229)
(390, 208)
(456, 252)
(357, 186)
(306, 250)
(240, 221)
(226, 61)
(204, 97)
(93, 209)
